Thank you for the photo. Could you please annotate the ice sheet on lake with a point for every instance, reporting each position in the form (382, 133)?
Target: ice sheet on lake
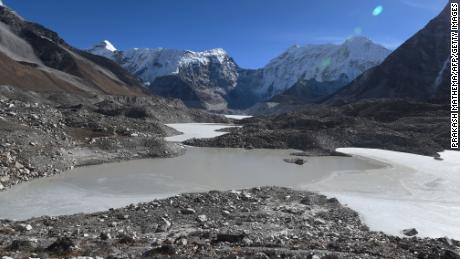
(197, 130)
(416, 191)
(238, 117)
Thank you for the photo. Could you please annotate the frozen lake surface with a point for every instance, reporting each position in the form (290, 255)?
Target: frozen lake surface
(238, 117)
(196, 130)
(416, 191)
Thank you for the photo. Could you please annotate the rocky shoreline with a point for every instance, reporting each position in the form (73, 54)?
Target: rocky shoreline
(268, 222)
(39, 138)
(399, 125)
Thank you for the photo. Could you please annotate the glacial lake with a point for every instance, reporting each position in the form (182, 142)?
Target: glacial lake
(390, 190)
(96, 188)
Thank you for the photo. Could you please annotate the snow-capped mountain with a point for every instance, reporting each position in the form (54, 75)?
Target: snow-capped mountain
(212, 80)
(104, 48)
(148, 64)
(323, 63)
(419, 69)
(201, 79)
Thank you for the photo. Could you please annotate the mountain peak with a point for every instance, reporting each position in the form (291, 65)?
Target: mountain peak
(418, 69)
(104, 48)
(109, 45)
(217, 51)
(293, 48)
(151, 63)
(322, 62)
(105, 44)
(357, 40)
(211, 52)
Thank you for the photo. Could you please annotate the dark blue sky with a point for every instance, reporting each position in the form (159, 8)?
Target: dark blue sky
(252, 31)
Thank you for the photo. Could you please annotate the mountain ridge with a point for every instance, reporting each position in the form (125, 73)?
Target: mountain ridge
(417, 70)
(33, 57)
(213, 80)
(322, 62)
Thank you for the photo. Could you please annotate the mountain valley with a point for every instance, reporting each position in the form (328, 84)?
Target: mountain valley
(64, 108)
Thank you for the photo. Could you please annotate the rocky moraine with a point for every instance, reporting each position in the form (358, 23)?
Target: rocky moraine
(268, 222)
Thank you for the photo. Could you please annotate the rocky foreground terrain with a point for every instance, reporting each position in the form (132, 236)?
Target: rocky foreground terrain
(267, 222)
(41, 137)
(399, 125)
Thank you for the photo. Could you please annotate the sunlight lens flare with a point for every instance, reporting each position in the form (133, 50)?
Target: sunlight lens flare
(377, 10)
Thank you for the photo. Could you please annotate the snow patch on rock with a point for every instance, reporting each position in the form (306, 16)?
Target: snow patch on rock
(109, 46)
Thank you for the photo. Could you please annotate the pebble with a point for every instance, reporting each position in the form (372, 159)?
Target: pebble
(164, 226)
(113, 224)
(105, 236)
(25, 227)
(202, 218)
(247, 241)
(18, 165)
(320, 221)
(188, 211)
(410, 232)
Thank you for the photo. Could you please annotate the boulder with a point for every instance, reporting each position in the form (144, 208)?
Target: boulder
(188, 211)
(230, 237)
(61, 246)
(297, 161)
(410, 232)
(202, 218)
